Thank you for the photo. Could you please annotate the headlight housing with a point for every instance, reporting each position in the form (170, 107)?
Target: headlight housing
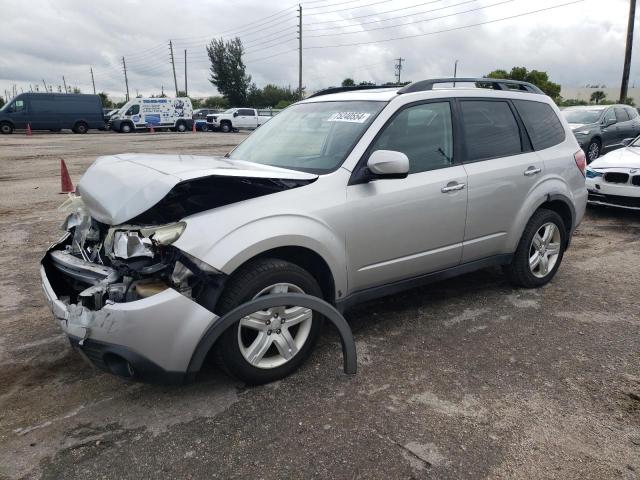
(164, 234)
(130, 241)
(582, 132)
(591, 173)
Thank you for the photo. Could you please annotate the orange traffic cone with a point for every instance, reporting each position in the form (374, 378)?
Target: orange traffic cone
(194, 127)
(28, 129)
(66, 185)
(151, 130)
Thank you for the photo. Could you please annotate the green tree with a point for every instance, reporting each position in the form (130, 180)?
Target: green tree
(2, 102)
(538, 78)
(106, 102)
(570, 102)
(366, 83)
(228, 71)
(629, 101)
(215, 102)
(282, 104)
(348, 82)
(598, 96)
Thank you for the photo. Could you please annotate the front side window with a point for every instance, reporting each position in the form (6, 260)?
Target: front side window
(312, 137)
(490, 130)
(544, 128)
(18, 106)
(610, 117)
(133, 110)
(423, 133)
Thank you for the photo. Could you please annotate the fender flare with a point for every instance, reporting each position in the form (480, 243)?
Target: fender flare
(214, 332)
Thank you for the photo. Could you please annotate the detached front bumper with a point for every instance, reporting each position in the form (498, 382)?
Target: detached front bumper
(151, 339)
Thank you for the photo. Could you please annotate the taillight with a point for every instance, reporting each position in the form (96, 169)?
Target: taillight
(581, 161)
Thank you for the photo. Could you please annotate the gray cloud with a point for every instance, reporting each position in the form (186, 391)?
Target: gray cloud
(577, 44)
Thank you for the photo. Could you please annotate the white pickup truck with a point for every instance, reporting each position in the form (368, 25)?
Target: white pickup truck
(236, 119)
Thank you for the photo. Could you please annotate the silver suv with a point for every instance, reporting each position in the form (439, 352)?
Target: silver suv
(347, 196)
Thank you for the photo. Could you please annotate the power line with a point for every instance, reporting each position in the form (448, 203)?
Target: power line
(352, 8)
(331, 4)
(376, 14)
(359, 24)
(446, 30)
(417, 21)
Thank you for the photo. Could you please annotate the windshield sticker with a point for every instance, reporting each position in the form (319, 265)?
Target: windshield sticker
(351, 117)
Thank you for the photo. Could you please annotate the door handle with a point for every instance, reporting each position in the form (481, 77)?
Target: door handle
(452, 187)
(532, 171)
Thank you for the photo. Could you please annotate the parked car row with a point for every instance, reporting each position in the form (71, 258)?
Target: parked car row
(238, 119)
(600, 129)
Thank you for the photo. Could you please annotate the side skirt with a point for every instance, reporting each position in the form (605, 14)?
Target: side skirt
(399, 286)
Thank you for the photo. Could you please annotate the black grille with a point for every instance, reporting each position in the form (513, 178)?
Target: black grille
(616, 177)
(636, 180)
(616, 200)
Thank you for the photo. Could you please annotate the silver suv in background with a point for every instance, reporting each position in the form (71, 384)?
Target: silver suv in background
(348, 195)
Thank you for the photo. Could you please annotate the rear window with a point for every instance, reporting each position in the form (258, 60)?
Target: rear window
(490, 130)
(632, 113)
(245, 112)
(543, 125)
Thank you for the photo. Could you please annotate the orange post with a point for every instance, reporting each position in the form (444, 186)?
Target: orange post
(194, 127)
(29, 129)
(66, 185)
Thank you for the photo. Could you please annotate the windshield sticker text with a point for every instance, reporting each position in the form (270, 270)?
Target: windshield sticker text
(351, 117)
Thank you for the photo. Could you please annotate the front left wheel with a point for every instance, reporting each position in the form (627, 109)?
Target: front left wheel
(271, 344)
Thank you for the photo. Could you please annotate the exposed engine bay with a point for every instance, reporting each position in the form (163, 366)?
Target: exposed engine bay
(96, 264)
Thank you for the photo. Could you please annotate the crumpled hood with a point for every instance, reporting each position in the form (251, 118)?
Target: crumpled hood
(117, 188)
(628, 157)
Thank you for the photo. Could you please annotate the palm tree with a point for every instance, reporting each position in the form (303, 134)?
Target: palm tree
(598, 96)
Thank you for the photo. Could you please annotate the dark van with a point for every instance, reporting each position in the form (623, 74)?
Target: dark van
(52, 111)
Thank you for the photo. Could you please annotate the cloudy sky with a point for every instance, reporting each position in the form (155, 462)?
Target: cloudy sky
(580, 43)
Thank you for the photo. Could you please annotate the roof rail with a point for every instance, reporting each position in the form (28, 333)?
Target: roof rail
(496, 84)
(330, 90)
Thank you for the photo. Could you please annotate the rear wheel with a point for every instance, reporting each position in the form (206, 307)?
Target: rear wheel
(80, 127)
(6, 128)
(181, 127)
(268, 345)
(539, 252)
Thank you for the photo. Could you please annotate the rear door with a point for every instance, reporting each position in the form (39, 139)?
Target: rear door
(625, 125)
(502, 168)
(403, 228)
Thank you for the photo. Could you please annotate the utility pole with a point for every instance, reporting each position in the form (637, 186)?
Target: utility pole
(65, 84)
(455, 73)
(45, 85)
(93, 81)
(126, 80)
(300, 51)
(399, 69)
(627, 55)
(186, 89)
(173, 65)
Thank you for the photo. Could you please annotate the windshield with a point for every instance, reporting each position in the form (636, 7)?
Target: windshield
(230, 110)
(582, 116)
(312, 137)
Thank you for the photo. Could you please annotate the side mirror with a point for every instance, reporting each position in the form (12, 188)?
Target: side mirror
(388, 164)
(627, 141)
(235, 114)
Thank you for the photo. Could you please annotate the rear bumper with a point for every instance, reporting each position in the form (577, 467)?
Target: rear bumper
(156, 335)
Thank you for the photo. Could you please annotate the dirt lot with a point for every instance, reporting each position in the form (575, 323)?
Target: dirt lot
(464, 379)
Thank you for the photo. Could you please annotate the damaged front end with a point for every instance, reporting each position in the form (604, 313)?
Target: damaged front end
(129, 292)
(96, 264)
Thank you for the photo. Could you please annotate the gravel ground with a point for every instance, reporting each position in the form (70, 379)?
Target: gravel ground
(469, 378)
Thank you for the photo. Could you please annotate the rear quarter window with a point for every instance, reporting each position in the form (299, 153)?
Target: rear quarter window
(543, 125)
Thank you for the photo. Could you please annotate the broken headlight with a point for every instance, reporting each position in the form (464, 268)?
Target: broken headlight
(133, 242)
(164, 234)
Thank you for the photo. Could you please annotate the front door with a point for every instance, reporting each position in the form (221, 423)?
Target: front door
(610, 131)
(403, 228)
(19, 113)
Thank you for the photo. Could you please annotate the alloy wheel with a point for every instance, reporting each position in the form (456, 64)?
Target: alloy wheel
(544, 250)
(270, 338)
(594, 151)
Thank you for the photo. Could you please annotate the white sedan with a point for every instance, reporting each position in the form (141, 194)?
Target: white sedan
(614, 179)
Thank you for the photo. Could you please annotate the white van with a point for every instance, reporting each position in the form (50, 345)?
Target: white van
(162, 113)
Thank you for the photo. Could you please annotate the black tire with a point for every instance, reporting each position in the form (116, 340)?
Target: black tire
(126, 127)
(80, 127)
(6, 128)
(518, 271)
(204, 127)
(181, 127)
(593, 150)
(244, 285)
(225, 127)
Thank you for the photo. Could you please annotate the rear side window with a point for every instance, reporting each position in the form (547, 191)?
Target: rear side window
(543, 125)
(490, 130)
(621, 115)
(632, 113)
(245, 112)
